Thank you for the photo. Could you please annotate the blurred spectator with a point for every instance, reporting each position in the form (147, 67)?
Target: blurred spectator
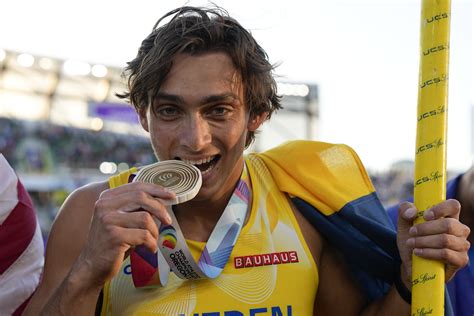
(393, 186)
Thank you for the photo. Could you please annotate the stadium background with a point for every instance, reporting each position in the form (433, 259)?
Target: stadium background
(62, 126)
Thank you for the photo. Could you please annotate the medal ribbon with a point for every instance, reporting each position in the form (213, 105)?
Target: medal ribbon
(150, 269)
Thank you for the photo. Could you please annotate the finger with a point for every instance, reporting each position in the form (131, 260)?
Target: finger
(448, 226)
(450, 271)
(139, 219)
(154, 190)
(143, 237)
(133, 237)
(439, 242)
(134, 200)
(449, 208)
(406, 212)
(447, 256)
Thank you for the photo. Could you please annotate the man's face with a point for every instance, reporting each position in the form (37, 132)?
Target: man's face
(200, 117)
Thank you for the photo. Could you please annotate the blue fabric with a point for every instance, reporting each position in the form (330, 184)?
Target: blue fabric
(461, 288)
(362, 232)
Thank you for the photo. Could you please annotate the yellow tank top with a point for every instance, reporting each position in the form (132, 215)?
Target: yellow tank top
(270, 271)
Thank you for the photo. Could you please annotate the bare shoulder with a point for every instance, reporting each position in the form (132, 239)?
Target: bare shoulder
(74, 216)
(69, 231)
(311, 236)
(335, 280)
(66, 240)
(80, 198)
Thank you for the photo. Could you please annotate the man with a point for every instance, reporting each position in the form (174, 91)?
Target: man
(202, 86)
(461, 287)
(21, 247)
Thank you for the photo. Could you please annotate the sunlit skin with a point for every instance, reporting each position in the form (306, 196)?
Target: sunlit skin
(200, 112)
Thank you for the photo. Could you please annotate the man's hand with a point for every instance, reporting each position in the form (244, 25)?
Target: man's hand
(123, 218)
(465, 195)
(442, 237)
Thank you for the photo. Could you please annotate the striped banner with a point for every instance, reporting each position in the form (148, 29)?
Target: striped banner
(21, 244)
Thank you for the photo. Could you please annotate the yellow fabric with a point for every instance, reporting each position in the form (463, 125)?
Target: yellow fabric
(121, 178)
(277, 289)
(325, 175)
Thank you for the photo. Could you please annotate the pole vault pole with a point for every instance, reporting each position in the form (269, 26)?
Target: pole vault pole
(430, 156)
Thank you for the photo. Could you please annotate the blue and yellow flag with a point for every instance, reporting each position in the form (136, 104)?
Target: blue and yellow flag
(331, 188)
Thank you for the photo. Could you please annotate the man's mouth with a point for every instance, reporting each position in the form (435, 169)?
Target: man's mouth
(204, 164)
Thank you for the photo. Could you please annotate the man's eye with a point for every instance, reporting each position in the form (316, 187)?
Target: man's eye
(167, 111)
(220, 110)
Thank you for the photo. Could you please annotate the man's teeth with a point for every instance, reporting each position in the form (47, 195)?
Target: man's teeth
(200, 161)
(203, 172)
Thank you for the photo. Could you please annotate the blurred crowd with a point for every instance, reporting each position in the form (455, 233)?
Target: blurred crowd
(42, 148)
(394, 185)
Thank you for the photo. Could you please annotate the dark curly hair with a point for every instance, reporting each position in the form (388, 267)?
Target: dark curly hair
(195, 30)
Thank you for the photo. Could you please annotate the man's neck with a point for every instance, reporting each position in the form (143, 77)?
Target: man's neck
(197, 219)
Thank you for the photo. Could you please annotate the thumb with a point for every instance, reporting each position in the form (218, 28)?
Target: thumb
(406, 215)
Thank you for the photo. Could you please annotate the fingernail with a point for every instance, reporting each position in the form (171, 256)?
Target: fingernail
(429, 215)
(167, 219)
(413, 231)
(410, 213)
(417, 251)
(169, 192)
(410, 242)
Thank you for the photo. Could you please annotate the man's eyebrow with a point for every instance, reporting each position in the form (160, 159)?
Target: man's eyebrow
(169, 97)
(228, 97)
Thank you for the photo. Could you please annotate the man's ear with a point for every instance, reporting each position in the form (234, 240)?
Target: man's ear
(256, 121)
(143, 117)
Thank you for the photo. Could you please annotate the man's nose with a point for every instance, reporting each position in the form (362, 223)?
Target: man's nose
(196, 133)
